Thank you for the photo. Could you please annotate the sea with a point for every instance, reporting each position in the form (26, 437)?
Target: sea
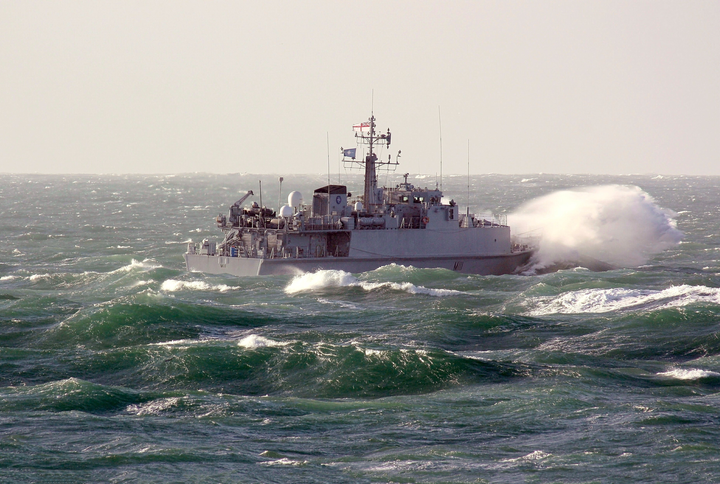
(117, 365)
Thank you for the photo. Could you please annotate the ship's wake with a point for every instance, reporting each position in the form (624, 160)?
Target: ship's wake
(598, 227)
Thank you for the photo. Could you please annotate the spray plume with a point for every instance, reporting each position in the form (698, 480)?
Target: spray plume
(618, 225)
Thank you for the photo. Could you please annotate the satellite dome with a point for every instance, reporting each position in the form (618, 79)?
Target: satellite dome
(286, 211)
(294, 199)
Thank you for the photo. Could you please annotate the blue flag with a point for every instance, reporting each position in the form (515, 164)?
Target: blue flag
(350, 152)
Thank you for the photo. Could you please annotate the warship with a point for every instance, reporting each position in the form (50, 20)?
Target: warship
(404, 225)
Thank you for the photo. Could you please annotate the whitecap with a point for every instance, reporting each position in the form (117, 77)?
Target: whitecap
(39, 277)
(342, 304)
(409, 288)
(314, 281)
(688, 374)
(173, 285)
(178, 342)
(153, 408)
(619, 299)
(141, 283)
(145, 265)
(533, 456)
(253, 341)
(285, 462)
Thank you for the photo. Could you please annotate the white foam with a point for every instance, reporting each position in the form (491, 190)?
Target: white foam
(8, 278)
(619, 299)
(620, 225)
(342, 304)
(39, 277)
(408, 287)
(178, 342)
(173, 285)
(141, 283)
(153, 408)
(689, 374)
(314, 281)
(145, 265)
(256, 341)
(533, 456)
(284, 462)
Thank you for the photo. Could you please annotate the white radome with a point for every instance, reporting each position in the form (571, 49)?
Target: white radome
(294, 199)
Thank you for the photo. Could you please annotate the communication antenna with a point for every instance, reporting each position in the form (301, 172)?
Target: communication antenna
(280, 195)
(441, 150)
(467, 210)
(327, 137)
(262, 215)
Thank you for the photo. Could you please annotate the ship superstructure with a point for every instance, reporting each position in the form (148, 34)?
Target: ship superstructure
(404, 225)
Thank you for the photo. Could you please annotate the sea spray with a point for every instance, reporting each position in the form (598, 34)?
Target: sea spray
(619, 225)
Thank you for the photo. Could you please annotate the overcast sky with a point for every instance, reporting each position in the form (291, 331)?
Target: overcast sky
(609, 87)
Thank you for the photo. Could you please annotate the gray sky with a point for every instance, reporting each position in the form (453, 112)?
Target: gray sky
(532, 86)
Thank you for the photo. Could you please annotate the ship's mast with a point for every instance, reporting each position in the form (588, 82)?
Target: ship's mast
(366, 135)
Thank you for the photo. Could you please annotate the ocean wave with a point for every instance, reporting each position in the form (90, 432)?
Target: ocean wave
(688, 374)
(173, 285)
(92, 279)
(70, 394)
(533, 456)
(342, 304)
(140, 283)
(40, 277)
(144, 265)
(317, 281)
(620, 299)
(255, 341)
(178, 342)
(154, 407)
(258, 365)
(284, 462)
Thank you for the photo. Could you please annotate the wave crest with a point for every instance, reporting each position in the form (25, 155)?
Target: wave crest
(688, 374)
(316, 281)
(619, 299)
(173, 285)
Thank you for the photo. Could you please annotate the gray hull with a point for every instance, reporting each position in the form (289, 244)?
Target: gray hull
(239, 266)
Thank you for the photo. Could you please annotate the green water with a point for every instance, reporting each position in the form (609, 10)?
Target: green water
(118, 366)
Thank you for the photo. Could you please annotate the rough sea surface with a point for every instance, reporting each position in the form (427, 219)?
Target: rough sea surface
(116, 365)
